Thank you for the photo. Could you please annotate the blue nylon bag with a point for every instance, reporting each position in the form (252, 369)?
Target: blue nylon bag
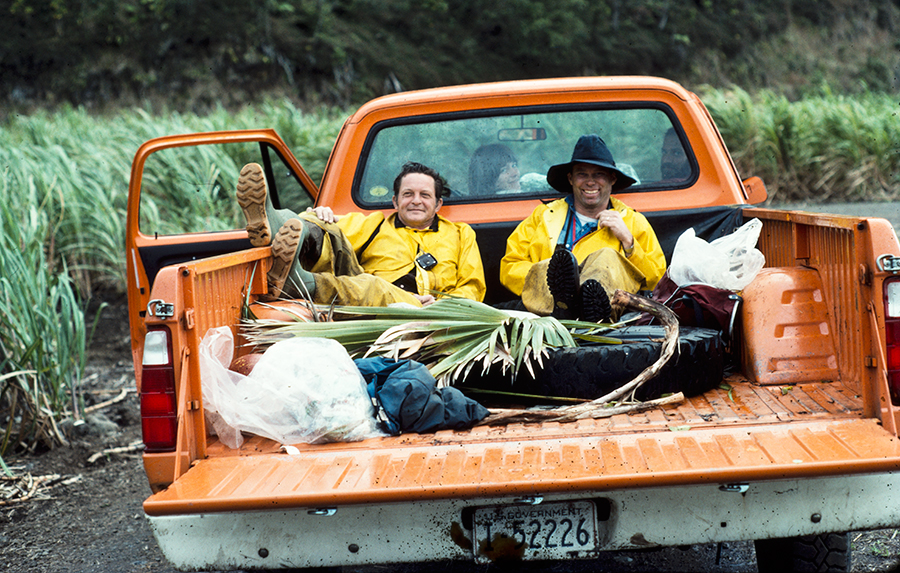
(407, 399)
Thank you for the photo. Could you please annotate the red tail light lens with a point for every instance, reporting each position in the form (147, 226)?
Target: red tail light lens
(158, 405)
(892, 336)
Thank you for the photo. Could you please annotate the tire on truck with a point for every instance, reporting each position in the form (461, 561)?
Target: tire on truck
(827, 552)
(593, 370)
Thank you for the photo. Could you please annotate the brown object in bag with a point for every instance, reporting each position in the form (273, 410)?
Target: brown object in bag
(244, 364)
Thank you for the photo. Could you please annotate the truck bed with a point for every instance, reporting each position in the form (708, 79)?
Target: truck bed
(785, 432)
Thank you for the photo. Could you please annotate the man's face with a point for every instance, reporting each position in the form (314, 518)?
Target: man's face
(591, 186)
(416, 201)
(673, 164)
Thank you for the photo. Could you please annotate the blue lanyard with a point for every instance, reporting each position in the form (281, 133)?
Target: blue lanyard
(573, 230)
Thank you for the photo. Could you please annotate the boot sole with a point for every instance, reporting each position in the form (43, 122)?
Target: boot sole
(562, 280)
(284, 250)
(595, 306)
(251, 196)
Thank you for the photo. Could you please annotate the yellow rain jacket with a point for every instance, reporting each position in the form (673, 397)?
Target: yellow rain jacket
(535, 239)
(393, 248)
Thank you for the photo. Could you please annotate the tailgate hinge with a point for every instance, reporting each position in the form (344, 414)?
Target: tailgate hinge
(865, 275)
(189, 321)
(160, 308)
(734, 487)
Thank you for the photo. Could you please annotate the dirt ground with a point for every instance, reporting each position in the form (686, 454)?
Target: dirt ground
(89, 518)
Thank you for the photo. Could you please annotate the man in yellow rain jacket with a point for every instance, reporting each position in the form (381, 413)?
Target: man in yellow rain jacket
(366, 260)
(570, 255)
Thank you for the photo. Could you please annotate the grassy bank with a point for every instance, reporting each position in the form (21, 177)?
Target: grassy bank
(75, 168)
(822, 148)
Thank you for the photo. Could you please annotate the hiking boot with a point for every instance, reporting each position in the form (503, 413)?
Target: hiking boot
(562, 280)
(287, 277)
(595, 305)
(253, 197)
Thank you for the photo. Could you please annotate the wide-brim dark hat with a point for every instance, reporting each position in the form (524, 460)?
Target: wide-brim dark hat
(589, 149)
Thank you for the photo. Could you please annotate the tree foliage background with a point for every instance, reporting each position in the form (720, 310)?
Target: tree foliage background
(196, 53)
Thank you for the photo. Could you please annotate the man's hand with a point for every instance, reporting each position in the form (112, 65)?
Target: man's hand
(323, 213)
(612, 220)
(425, 299)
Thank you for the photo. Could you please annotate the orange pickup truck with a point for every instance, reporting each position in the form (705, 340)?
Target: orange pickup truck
(793, 448)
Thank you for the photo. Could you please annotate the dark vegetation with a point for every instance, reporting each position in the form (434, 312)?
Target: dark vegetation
(193, 54)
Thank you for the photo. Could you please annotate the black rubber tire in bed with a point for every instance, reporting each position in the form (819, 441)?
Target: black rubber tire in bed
(591, 371)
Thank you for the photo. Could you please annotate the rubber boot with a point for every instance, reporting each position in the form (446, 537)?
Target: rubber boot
(332, 252)
(612, 271)
(263, 219)
(287, 277)
(562, 280)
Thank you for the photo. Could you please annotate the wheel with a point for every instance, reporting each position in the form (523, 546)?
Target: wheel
(828, 552)
(593, 370)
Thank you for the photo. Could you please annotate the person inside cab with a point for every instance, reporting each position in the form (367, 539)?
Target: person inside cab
(366, 260)
(569, 256)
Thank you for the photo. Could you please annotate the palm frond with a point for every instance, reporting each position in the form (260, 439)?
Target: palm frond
(451, 337)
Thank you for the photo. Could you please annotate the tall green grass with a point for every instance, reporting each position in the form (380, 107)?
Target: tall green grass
(84, 162)
(42, 330)
(822, 148)
(63, 197)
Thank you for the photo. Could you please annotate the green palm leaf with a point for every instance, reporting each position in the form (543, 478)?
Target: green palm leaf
(450, 337)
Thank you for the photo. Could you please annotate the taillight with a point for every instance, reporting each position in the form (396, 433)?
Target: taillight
(892, 336)
(159, 414)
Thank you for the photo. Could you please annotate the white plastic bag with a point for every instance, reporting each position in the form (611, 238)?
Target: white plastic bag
(301, 390)
(730, 262)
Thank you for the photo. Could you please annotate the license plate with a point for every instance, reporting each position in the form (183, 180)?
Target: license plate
(546, 531)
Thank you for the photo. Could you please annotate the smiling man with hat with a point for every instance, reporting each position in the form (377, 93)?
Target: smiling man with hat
(570, 255)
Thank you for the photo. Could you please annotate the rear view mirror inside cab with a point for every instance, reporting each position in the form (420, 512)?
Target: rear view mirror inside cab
(522, 134)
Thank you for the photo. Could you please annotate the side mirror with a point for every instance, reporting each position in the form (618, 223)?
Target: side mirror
(755, 190)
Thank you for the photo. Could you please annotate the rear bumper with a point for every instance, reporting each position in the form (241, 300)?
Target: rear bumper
(433, 530)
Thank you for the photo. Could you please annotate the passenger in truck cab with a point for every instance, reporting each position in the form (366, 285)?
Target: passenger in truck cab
(366, 260)
(493, 169)
(673, 163)
(569, 256)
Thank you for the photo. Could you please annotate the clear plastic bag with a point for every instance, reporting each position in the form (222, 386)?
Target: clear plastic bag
(302, 390)
(730, 262)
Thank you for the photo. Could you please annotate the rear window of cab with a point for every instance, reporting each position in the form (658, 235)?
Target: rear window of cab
(503, 155)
